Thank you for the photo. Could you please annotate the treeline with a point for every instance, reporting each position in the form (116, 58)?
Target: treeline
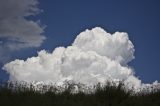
(108, 95)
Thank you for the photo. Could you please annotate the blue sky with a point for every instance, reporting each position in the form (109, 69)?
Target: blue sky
(65, 19)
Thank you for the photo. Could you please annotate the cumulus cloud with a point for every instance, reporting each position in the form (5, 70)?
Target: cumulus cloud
(95, 56)
(117, 46)
(16, 31)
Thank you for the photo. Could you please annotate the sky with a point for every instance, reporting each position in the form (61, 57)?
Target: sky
(52, 23)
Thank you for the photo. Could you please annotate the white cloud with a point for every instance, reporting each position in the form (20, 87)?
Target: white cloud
(116, 46)
(95, 56)
(17, 32)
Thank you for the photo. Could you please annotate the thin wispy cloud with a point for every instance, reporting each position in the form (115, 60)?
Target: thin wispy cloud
(16, 31)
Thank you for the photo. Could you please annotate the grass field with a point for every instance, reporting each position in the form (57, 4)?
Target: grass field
(103, 96)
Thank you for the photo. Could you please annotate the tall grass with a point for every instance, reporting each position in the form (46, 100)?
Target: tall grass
(13, 94)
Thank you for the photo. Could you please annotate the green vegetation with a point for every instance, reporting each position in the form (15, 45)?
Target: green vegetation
(103, 96)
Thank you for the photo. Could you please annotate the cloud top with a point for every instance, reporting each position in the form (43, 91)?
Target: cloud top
(115, 46)
(95, 56)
